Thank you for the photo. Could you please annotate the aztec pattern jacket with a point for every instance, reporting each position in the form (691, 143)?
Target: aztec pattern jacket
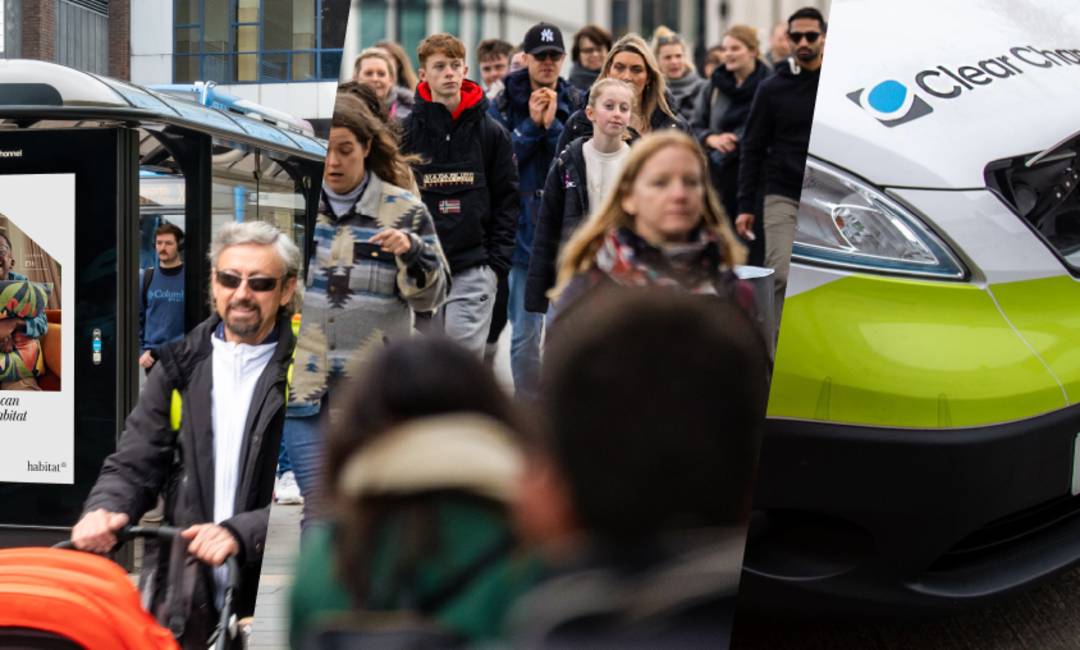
(358, 298)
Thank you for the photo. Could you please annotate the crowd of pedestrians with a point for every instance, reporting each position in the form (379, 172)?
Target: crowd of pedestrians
(599, 217)
(590, 214)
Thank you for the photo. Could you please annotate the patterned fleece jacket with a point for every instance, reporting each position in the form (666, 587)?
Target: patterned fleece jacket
(359, 298)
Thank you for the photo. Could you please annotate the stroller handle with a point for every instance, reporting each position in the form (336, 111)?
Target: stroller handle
(168, 534)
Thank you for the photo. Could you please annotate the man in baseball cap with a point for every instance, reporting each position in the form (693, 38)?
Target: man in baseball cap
(533, 106)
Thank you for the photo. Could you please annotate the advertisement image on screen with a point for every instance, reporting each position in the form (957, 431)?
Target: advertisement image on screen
(37, 224)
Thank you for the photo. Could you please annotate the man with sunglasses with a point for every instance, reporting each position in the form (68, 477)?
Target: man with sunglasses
(534, 106)
(215, 467)
(774, 147)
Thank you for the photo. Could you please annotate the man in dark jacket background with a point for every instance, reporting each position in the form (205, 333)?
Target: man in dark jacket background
(469, 183)
(216, 471)
(776, 141)
(534, 106)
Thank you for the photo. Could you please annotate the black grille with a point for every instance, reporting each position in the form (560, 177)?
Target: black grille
(999, 535)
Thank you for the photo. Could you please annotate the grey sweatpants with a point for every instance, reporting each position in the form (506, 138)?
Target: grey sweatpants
(465, 317)
(779, 224)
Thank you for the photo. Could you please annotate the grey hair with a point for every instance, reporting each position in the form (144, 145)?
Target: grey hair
(264, 234)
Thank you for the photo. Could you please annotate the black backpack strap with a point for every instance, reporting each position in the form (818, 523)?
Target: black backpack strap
(148, 276)
(435, 601)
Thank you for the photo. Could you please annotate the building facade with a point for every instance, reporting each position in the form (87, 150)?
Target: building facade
(284, 54)
(90, 35)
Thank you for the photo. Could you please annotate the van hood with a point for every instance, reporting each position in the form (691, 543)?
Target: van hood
(919, 114)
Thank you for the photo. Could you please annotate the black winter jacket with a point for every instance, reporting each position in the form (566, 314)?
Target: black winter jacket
(151, 459)
(468, 178)
(777, 135)
(579, 126)
(565, 205)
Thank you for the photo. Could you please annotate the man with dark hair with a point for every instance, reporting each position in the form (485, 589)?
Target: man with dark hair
(493, 55)
(468, 181)
(534, 106)
(775, 145)
(161, 295)
(18, 333)
(673, 428)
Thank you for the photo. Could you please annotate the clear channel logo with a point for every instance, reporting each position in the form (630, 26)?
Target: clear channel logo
(891, 103)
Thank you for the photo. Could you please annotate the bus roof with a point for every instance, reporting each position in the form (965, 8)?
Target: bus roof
(30, 89)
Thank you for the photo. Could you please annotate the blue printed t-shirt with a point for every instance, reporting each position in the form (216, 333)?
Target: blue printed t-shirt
(161, 319)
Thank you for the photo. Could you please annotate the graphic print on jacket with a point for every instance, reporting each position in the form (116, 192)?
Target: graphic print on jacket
(358, 297)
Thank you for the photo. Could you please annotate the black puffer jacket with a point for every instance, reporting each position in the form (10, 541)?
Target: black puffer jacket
(152, 459)
(565, 205)
(468, 179)
(579, 126)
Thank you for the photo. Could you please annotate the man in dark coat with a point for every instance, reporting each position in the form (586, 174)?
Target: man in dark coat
(776, 141)
(533, 107)
(469, 183)
(216, 470)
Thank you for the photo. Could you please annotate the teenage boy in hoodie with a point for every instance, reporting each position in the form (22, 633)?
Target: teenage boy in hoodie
(469, 182)
(534, 107)
(779, 124)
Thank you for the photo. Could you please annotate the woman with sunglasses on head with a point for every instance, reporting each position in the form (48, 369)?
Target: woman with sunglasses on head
(661, 226)
(682, 79)
(632, 61)
(376, 260)
(721, 113)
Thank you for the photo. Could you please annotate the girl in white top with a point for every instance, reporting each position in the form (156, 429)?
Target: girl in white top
(579, 182)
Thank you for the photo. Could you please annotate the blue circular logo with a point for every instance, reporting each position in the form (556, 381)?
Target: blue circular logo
(887, 96)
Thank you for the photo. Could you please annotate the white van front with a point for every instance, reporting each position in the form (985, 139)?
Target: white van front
(923, 419)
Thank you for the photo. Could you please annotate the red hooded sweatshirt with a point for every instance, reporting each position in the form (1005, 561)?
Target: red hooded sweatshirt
(471, 94)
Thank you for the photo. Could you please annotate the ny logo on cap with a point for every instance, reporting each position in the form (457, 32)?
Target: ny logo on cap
(547, 36)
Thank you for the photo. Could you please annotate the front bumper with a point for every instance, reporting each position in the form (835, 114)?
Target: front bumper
(875, 520)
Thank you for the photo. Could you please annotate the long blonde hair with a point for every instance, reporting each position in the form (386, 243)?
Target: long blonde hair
(652, 96)
(580, 253)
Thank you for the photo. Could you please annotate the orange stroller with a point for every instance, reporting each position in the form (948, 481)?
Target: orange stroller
(60, 598)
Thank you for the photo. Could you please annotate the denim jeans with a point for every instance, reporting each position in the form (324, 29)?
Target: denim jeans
(283, 464)
(304, 440)
(525, 337)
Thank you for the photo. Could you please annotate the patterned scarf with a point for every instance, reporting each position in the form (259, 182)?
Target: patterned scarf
(695, 267)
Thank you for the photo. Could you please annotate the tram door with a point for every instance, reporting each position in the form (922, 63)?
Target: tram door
(69, 216)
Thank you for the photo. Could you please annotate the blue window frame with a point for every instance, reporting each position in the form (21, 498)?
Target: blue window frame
(258, 41)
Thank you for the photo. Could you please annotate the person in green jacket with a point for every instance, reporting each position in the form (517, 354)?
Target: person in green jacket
(421, 481)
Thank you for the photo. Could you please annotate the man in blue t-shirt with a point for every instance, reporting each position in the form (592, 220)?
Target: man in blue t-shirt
(161, 301)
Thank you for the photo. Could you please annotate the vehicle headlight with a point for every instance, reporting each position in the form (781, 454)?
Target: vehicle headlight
(843, 221)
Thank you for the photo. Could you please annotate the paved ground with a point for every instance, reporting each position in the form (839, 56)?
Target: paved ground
(1047, 618)
(270, 630)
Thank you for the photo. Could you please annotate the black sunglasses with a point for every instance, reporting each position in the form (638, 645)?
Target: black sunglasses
(548, 55)
(811, 37)
(233, 281)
